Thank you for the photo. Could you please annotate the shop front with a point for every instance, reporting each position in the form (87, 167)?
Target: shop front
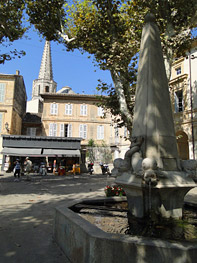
(60, 155)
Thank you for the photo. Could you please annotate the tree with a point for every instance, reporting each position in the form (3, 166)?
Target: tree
(11, 26)
(110, 30)
(16, 16)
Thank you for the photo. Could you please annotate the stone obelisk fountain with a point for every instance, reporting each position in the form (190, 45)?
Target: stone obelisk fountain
(151, 172)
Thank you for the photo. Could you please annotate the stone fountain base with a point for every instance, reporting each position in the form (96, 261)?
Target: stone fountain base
(83, 242)
(166, 198)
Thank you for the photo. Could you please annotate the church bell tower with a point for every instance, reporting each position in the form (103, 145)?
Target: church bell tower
(44, 83)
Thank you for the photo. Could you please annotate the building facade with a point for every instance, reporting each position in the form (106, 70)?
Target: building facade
(66, 114)
(183, 89)
(12, 105)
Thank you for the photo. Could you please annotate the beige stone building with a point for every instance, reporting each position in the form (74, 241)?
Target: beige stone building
(12, 105)
(67, 114)
(183, 89)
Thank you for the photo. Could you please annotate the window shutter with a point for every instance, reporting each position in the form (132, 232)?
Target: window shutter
(80, 130)
(54, 129)
(85, 110)
(71, 109)
(100, 111)
(69, 130)
(100, 132)
(66, 109)
(1, 117)
(81, 110)
(84, 131)
(51, 129)
(61, 129)
(2, 92)
(55, 108)
(51, 108)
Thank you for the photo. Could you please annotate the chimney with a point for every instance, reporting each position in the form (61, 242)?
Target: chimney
(17, 72)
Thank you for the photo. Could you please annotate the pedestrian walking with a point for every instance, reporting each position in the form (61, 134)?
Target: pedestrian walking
(17, 170)
(28, 167)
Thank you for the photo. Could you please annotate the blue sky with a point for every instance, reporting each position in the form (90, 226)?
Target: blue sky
(69, 68)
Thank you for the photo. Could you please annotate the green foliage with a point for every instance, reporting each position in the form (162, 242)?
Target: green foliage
(47, 16)
(91, 143)
(110, 30)
(11, 26)
(17, 15)
(90, 154)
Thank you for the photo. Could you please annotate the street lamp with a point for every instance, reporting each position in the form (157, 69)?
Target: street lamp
(7, 127)
(191, 102)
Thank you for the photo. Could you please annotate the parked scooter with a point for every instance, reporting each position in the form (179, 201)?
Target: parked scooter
(105, 168)
(43, 169)
(90, 168)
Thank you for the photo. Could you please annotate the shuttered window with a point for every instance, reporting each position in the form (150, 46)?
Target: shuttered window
(83, 110)
(68, 109)
(2, 92)
(54, 109)
(53, 129)
(100, 112)
(100, 132)
(83, 131)
(65, 130)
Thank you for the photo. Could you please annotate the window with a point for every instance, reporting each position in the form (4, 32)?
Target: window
(47, 89)
(100, 112)
(53, 129)
(31, 131)
(65, 130)
(68, 109)
(83, 131)
(2, 92)
(178, 101)
(178, 70)
(1, 117)
(116, 134)
(100, 132)
(125, 132)
(83, 110)
(54, 108)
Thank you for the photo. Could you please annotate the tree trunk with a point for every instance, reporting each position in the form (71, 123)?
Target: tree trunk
(124, 111)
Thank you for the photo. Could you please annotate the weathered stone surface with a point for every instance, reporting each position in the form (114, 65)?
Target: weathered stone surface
(85, 243)
(154, 178)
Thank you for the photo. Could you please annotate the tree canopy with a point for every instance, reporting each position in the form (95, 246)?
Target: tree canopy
(110, 31)
(11, 26)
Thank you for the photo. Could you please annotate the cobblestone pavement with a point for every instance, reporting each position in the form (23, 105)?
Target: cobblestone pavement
(27, 214)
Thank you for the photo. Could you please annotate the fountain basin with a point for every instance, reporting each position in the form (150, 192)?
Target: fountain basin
(83, 242)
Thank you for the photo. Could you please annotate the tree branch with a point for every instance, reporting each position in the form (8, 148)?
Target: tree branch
(65, 37)
(121, 97)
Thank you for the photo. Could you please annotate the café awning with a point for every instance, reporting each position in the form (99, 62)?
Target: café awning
(22, 151)
(61, 152)
(40, 152)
